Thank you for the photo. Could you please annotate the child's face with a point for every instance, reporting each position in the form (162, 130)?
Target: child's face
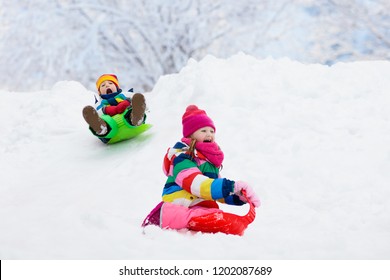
(204, 134)
(107, 87)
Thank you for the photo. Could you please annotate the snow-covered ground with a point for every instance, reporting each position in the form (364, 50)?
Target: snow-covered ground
(312, 140)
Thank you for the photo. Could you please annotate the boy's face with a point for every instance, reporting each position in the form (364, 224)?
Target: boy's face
(107, 87)
(204, 134)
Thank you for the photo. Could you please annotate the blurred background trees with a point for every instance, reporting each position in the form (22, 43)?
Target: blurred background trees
(45, 41)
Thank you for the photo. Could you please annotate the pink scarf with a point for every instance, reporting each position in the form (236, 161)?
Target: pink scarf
(210, 150)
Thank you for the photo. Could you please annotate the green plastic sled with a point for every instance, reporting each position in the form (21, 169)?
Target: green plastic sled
(120, 129)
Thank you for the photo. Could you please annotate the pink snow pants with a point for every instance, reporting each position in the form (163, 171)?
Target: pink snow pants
(175, 216)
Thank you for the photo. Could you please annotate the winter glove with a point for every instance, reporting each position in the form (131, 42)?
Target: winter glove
(110, 110)
(240, 186)
(118, 109)
(121, 107)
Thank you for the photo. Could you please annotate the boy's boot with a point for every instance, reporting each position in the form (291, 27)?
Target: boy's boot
(98, 125)
(138, 109)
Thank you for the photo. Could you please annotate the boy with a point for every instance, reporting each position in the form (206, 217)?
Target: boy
(111, 101)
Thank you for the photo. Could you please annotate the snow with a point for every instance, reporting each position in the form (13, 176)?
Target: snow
(312, 140)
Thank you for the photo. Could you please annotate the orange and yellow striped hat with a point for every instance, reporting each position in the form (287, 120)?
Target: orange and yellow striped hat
(107, 77)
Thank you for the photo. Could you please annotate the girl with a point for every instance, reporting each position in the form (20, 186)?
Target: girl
(194, 185)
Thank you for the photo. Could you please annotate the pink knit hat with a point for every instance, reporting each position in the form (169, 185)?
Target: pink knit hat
(193, 119)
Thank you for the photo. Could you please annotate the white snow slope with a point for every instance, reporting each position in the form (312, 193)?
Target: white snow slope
(312, 140)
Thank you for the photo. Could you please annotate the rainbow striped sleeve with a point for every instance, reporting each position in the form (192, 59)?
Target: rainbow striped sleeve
(190, 178)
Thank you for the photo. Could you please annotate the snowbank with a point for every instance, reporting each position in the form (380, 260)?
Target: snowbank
(312, 140)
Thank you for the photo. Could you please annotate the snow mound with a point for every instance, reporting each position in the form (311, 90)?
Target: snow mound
(312, 140)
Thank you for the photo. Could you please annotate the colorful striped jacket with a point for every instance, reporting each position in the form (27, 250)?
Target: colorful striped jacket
(111, 99)
(194, 181)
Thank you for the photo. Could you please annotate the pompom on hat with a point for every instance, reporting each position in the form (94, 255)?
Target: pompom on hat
(193, 119)
(107, 77)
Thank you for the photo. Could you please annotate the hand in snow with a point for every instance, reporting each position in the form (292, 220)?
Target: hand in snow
(240, 186)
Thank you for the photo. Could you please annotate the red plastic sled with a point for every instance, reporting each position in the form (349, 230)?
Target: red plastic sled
(212, 223)
(223, 222)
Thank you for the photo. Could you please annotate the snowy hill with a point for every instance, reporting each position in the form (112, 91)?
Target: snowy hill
(312, 140)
